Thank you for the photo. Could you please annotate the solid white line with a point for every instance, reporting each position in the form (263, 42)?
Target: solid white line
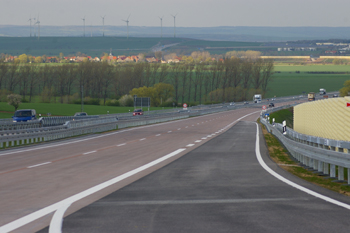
(158, 135)
(142, 139)
(281, 178)
(198, 141)
(58, 205)
(189, 145)
(37, 165)
(89, 152)
(122, 144)
(57, 219)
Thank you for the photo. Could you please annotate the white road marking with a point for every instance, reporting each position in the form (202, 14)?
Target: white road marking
(170, 131)
(189, 145)
(62, 205)
(158, 135)
(40, 164)
(281, 178)
(198, 141)
(178, 128)
(192, 125)
(209, 136)
(142, 139)
(203, 138)
(89, 152)
(57, 219)
(186, 127)
(122, 144)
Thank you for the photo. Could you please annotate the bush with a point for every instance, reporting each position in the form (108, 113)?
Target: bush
(126, 101)
(112, 103)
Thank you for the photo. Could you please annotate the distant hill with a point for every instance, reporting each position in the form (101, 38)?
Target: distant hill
(248, 34)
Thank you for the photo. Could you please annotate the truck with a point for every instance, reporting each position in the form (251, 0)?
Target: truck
(323, 91)
(311, 96)
(257, 98)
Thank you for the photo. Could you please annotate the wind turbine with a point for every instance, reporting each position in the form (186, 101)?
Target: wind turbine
(127, 26)
(38, 22)
(84, 24)
(103, 23)
(161, 26)
(30, 20)
(174, 24)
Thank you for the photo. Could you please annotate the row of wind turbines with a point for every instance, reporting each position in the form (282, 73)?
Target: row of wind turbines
(37, 22)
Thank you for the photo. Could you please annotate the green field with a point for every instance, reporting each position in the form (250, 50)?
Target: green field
(93, 46)
(288, 82)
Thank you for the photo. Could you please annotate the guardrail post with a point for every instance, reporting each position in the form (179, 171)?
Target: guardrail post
(340, 173)
(326, 168)
(332, 172)
(348, 176)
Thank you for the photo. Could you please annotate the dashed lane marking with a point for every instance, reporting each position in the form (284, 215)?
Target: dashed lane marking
(40, 164)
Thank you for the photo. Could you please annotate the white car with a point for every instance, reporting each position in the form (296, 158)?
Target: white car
(232, 104)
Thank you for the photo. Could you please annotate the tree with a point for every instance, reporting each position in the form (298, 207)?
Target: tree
(38, 60)
(267, 72)
(23, 58)
(14, 100)
(158, 55)
(345, 91)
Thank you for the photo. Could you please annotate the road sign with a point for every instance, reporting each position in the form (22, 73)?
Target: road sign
(264, 107)
(184, 106)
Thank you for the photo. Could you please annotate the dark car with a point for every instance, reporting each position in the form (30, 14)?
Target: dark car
(335, 96)
(246, 102)
(271, 105)
(137, 112)
(24, 115)
(80, 114)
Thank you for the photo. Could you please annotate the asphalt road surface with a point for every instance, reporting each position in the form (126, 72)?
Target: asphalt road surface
(191, 175)
(35, 180)
(218, 187)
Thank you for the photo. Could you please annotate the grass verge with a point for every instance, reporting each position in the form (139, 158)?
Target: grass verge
(280, 156)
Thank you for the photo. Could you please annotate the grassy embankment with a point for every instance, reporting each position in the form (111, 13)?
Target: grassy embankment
(280, 156)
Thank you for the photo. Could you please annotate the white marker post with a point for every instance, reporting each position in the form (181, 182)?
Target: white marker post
(273, 122)
(284, 123)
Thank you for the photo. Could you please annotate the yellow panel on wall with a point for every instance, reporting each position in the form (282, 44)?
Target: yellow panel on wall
(327, 118)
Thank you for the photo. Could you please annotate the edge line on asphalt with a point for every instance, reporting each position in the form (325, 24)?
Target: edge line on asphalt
(281, 178)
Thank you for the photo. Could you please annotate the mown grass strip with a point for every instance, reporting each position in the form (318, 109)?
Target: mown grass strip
(280, 156)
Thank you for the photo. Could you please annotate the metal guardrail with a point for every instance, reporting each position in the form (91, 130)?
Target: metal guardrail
(313, 152)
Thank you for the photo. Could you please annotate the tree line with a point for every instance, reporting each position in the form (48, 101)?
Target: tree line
(230, 79)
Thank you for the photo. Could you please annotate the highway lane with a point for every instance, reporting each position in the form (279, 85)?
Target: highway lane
(218, 187)
(38, 176)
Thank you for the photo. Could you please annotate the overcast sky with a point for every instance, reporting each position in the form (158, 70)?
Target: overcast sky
(190, 13)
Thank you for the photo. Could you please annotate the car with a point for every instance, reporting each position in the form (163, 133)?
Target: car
(246, 102)
(232, 104)
(271, 105)
(137, 112)
(24, 115)
(80, 114)
(335, 95)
